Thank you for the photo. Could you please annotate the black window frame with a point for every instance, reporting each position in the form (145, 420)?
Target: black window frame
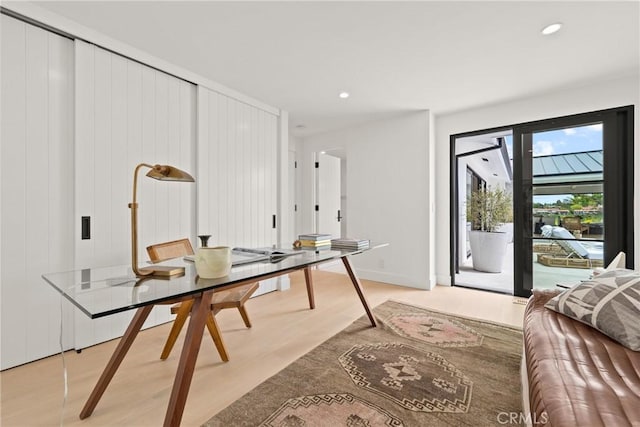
(618, 187)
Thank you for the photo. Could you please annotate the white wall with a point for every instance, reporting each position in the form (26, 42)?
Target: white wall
(388, 198)
(606, 94)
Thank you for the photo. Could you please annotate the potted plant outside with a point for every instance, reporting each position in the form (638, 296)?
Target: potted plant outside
(488, 210)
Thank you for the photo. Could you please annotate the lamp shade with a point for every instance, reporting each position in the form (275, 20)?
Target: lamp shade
(169, 173)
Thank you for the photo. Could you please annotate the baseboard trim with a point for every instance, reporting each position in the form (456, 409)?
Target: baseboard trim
(443, 280)
(393, 279)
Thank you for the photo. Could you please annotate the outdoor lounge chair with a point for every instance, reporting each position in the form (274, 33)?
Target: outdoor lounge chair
(576, 254)
(572, 247)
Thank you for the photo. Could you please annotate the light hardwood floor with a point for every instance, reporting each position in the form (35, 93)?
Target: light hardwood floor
(283, 330)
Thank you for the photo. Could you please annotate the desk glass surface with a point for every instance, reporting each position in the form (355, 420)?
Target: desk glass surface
(100, 292)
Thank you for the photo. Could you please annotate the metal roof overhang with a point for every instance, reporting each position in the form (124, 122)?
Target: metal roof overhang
(568, 184)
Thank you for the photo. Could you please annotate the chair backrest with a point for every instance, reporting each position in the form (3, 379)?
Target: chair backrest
(572, 223)
(174, 249)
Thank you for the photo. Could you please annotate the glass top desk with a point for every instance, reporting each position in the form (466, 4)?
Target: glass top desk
(100, 292)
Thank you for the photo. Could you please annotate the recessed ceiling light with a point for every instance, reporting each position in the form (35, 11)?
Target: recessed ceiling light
(550, 29)
(343, 95)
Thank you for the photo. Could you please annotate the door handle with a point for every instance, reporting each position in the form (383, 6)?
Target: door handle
(339, 216)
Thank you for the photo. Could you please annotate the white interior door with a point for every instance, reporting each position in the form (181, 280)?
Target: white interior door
(328, 178)
(126, 114)
(36, 179)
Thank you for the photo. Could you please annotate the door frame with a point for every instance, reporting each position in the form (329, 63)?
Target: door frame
(618, 187)
(454, 204)
(321, 211)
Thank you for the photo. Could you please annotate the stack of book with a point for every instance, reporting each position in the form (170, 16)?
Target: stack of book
(351, 244)
(315, 241)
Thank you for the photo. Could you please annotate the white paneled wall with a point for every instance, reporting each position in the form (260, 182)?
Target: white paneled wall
(36, 177)
(128, 113)
(237, 172)
(238, 196)
(76, 120)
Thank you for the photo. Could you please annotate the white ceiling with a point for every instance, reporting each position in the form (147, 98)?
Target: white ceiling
(489, 165)
(391, 56)
(493, 168)
(470, 143)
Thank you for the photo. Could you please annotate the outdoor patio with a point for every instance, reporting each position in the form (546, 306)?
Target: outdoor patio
(544, 277)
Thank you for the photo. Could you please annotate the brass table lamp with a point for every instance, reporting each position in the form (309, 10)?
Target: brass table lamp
(161, 173)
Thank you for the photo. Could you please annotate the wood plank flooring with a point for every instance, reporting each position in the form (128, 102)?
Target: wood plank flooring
(283, 330)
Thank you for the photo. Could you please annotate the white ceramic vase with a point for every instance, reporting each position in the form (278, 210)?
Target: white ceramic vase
(488, 250)
(213, 262)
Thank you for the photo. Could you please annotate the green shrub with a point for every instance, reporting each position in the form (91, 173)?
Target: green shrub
(489, 209)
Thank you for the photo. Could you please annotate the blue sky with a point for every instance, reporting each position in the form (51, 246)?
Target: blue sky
(562, 141)
(569, 140)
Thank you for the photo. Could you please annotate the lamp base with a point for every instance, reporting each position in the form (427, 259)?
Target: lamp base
(162, 271)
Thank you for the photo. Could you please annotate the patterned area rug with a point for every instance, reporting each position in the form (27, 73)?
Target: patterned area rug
(417, 368)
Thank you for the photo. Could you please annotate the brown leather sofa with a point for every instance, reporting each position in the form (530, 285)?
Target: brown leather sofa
(576, 375)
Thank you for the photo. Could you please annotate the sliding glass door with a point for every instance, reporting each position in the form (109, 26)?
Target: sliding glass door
(574, 212)
(567, 203)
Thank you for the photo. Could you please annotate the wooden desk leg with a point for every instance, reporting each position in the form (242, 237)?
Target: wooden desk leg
(119, 353)
(199, 312)
(358, 286)
(309, 282)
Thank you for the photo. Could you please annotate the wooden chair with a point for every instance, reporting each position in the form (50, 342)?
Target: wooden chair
(232, 298)
(574, 224)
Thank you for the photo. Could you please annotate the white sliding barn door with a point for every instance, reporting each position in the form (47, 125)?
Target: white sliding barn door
(127, 114)
(237, 173)
(36, 175)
